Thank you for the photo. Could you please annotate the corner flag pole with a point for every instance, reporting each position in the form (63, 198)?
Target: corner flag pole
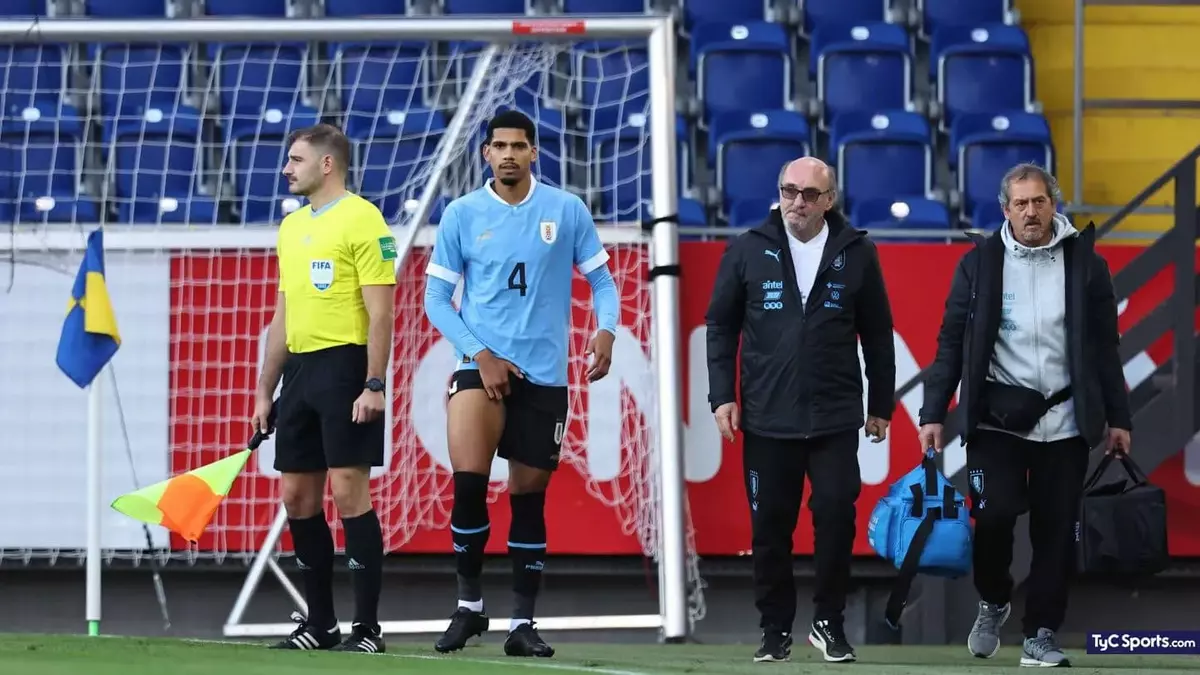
(94, 497)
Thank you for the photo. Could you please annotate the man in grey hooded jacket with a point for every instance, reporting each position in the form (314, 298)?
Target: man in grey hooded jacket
(1030, 330)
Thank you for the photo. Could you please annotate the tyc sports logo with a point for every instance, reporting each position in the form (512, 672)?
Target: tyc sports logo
(772, 295)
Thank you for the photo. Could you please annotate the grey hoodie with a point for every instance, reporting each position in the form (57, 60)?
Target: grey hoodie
(1031, 346)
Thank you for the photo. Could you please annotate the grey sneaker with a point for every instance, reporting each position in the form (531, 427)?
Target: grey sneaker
(984, 640)
(1043, 652)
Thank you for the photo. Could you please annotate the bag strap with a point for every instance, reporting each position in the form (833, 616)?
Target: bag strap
(902, 585)
(1061, 396)
(1135, 472)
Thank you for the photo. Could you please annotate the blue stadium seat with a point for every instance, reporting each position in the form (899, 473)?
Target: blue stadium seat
(613, 82)
(484, 6)
(255, 156)
(901, 212)
(31, 74)
(276, 8)
(981, 69)
(389, 149)
(818, 13)
(861, 68)
(604, 6)
(376, 78)
(985, 146)
(937, 14)
(257, 80)
(741, 67)
(698, 12)
(135, 78)
(750, 149)
(882, 155)
(619, 169)
(692, 213)
(44, 145)
(23, 7)
(987, 215)
(125, 8)
(750, 212)
(335, 8)
(157, 169)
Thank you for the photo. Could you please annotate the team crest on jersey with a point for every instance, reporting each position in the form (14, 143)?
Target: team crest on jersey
(320, 272)
(549, 231)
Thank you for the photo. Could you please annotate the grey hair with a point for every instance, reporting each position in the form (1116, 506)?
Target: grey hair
(1025, 172)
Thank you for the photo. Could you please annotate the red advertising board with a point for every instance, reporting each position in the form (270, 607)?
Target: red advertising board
(222, 302)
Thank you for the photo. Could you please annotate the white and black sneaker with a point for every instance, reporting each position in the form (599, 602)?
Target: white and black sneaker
(309, 637)
(776, 646)
(362, 638)
(830, 638)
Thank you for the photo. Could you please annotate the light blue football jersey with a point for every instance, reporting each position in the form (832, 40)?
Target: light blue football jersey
(517, 263)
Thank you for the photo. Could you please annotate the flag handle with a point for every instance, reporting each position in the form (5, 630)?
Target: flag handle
(259, 435)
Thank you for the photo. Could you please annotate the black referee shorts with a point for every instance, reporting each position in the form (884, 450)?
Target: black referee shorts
(535, 419)
(314, 430)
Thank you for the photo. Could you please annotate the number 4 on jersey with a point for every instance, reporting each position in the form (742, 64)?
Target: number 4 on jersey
(516, 278)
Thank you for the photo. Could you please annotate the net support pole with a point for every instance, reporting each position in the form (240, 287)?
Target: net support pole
(95, 414)
(664, 270)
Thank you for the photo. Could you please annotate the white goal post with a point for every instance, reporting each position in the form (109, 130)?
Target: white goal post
(665, 528)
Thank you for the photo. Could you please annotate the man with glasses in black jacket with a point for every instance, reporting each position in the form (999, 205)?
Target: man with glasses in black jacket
(799, 292)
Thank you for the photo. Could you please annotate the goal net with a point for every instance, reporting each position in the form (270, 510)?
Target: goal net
(176, 150)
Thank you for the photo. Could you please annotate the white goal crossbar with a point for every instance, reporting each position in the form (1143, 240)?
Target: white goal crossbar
(673, 620)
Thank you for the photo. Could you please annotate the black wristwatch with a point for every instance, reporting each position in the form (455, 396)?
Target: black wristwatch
(374, 384)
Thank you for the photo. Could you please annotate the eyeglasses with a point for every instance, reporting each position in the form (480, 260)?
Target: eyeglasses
(811, 195)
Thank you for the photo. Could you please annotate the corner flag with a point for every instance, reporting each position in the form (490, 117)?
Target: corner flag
(89, 334)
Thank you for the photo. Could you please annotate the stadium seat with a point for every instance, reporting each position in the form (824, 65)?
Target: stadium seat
(276, 8)
(818, 13)
(619, 168)
(861, 68)
(698, 12)
(912, 213)
(987, 216)
(603, 6)
(31, 74)
(986, 146)
(750, 212)
(258, 80)
(741, 67)
(117, 9)
(376, 78)
(23, 7)
(484, 7)
(692, 213)
(937, 14)
(43, 144)
(613, 82)
(881, 155)
(338, 8)
(157, 168)
(389, 149)
(255, 156)
(750, 149)
(136, 78)
(981, 69)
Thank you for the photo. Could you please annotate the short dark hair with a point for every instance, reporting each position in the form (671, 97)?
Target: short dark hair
(329, 139)
(512, 119)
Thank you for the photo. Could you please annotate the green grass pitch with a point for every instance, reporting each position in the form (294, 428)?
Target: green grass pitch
(79, 655)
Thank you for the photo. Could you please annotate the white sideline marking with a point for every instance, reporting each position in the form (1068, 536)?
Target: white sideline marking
(467, 659)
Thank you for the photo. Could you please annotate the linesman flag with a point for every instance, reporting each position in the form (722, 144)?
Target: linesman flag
(89, 337)
(185, 504)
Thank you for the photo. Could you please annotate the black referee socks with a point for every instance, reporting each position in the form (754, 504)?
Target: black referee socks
(313, 544)
(364, 548)
(527, 550)
(469, 529)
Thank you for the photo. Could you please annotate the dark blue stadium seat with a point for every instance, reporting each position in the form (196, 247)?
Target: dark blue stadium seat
(861, 68)
(752, 146)
(389, 149)
(276, 8)
(157, 169)
(981, 69)
(43, 144)
(697, 12)
(23, 8)
(125, 8)
(619, 170)
(484, 6)
(881, 155)
(613, 82)
(692, 213)
(987, 215)
(937, 14)
(741, 67)
(985, 146)
(135, 78)
(750, 212)
(377, 78)
(901, 212)
(258, 80)
(336, 8)
(819, 13)
(31, 74)
(603, 6)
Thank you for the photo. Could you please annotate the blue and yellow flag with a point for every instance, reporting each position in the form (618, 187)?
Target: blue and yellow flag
(89, 335)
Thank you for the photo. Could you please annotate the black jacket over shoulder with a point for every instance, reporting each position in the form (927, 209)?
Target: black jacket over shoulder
(800, 372)
(972, 322)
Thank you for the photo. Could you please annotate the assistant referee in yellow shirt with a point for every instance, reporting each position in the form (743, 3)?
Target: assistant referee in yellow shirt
(330, 339)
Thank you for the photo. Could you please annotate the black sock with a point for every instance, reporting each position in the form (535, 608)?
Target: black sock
(364, 548)
(470, 529)
(313, 544)
(527, 550)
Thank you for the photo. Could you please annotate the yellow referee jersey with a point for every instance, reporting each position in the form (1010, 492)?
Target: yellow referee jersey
(325, 258)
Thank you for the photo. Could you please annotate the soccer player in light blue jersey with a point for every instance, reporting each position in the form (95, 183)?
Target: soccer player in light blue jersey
(514, 244)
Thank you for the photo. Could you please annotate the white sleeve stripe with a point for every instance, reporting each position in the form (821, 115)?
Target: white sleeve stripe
(445, 274)
(593, 263)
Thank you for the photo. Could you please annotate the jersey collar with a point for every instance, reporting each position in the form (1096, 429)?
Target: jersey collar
(533, 183)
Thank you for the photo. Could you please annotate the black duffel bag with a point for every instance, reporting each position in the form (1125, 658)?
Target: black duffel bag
(1122, 529)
